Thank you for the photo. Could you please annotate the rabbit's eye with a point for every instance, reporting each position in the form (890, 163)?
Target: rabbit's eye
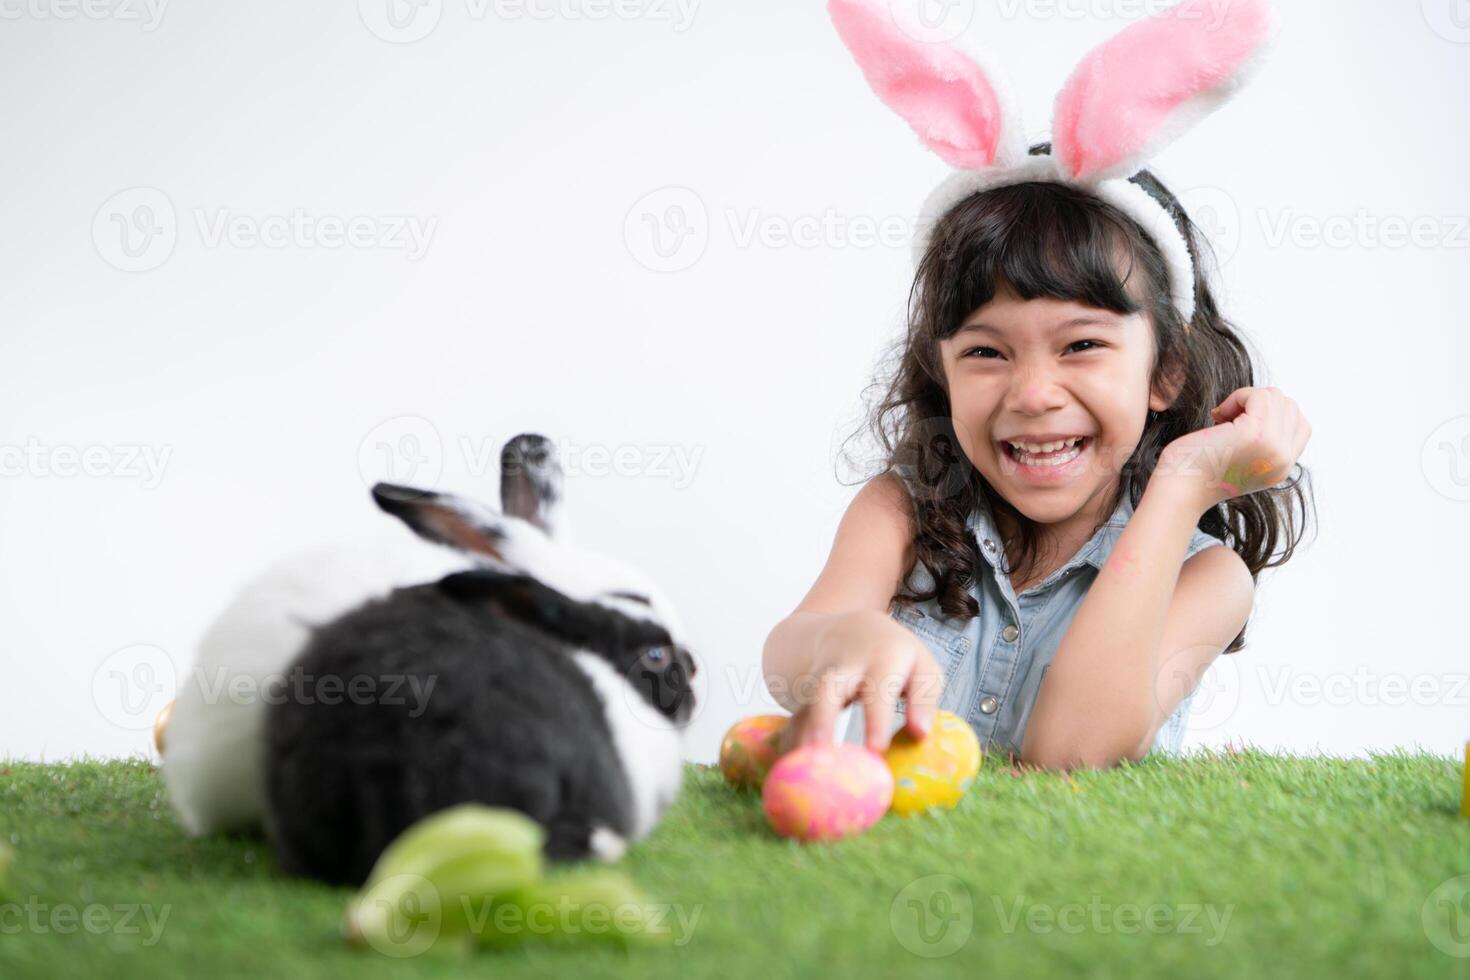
(656, 653)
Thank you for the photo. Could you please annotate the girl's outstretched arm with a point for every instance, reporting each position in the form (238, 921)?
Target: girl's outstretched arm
(840, 646)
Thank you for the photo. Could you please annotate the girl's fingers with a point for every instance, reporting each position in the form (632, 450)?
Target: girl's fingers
(815, 723)
(1303, 433)
(1274, 426)
(877, 711)
(1232, 406)
(921, 695)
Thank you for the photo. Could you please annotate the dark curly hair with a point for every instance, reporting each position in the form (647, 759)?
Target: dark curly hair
(1046, 239)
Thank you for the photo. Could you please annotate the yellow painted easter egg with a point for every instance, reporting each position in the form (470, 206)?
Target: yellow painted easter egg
(827, 792)
(935, 770)
(750, 748)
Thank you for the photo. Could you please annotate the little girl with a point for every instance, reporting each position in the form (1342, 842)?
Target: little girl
(1082, 481)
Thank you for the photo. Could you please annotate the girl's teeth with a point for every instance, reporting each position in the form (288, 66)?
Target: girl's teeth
(1049, 455)
(1045, 447)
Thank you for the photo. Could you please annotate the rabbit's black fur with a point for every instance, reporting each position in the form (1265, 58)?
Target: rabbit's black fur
(510, 719)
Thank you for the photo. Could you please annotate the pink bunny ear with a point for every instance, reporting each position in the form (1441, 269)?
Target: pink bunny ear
(960, 109)
(1138, 92)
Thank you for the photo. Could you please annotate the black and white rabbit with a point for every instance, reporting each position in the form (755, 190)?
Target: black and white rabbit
(532, 675)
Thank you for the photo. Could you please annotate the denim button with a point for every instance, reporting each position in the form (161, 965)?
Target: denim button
(1010, 632)
(988, 705)
(989, 545)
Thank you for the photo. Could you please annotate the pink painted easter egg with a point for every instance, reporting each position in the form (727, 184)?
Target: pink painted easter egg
(827, 792)
(750, 748)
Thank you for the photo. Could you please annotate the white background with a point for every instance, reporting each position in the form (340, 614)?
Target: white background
(541, 152)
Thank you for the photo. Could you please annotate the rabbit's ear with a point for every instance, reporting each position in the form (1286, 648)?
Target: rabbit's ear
(1138, 92)
(531, 483)
(454, 521)
(592, 623)
(956, 100)
(521, 597)
(510, 544)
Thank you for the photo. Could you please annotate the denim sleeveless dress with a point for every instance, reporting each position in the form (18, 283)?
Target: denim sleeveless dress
(993, 664)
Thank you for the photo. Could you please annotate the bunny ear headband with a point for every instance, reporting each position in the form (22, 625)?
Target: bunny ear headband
(1123, 103)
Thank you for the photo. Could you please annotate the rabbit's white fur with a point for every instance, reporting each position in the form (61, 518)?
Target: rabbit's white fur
(213, 766)
(213, 763)
(642, 734)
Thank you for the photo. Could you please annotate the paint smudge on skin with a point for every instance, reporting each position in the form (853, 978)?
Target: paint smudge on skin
(1121, 561)
(1253, 476)
(1235, 478)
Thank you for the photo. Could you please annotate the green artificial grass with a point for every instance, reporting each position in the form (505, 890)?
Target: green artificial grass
(1217, 865)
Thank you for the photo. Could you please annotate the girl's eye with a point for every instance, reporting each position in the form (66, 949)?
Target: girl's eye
(978, 351)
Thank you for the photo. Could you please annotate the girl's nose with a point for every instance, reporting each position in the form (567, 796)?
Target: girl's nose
(1034, 393)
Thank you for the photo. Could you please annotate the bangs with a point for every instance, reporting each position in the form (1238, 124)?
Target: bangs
(1038, 240)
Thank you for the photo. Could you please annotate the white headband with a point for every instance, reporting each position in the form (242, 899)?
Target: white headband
(1128, 99)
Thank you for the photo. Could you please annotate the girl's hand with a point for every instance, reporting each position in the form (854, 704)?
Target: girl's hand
(1257, 437)
(869, 658)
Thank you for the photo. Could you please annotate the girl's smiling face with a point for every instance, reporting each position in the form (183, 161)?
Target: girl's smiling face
(1046, 370)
